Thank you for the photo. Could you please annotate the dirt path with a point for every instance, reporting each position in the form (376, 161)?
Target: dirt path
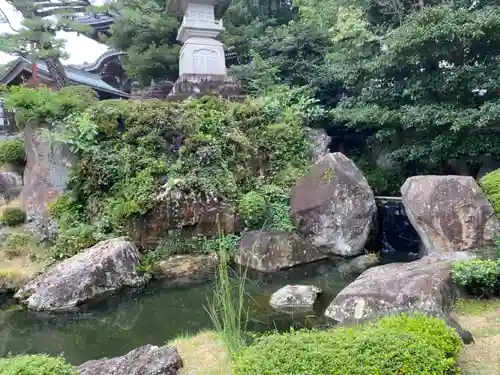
(482, 318)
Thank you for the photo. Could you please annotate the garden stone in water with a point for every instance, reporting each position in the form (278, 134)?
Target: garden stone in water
(333, 205)
(269, 252)
(186, 269)
(449, 213)
(422, 286)
(94, 273)
(359, 264)
(146, 360)
(295, 297)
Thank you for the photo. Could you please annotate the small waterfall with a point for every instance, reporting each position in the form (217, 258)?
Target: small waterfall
(397, 239)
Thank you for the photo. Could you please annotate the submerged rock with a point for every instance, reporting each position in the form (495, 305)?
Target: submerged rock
(146, 360)
(421, 286)
(187, 269)
(334, 206)
(271, 251)
(359, 264)
(295, 297)
(94, 273)
(449, 213)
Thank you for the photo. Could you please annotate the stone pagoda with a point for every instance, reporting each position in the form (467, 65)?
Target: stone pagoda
(202, 63)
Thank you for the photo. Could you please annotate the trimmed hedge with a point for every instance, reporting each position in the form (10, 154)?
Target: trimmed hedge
(478, 277)
(490, 183)
(12, 151)
(35, 365)
(416, 345)
(13, 216)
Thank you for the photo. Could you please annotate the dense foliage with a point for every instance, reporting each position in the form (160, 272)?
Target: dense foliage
(393, 345)
(43, 105)
(12, 151)
(148, 35)
(490, 183)
(478, 277)
(128, 150)
(35, 365)
(13, 216)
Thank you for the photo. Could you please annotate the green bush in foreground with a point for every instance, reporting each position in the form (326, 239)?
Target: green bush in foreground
(12, 151)
(13, 216)
(490, 183)
(394, 345)
(478, 277)
(35, 365)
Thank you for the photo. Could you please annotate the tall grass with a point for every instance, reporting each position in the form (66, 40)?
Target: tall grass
(226, 310)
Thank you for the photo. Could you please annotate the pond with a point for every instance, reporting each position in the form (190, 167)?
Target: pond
(156, 315)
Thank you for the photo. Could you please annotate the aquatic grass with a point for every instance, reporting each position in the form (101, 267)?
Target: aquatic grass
(226, 309)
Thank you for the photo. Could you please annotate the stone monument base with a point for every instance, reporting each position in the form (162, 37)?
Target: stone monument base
(198, 85)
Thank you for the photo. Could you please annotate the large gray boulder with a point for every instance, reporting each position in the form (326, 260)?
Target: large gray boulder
(333, 205)
(421, 286)
(271, 251)
(146, 360)
(94, 273)
(449, 213)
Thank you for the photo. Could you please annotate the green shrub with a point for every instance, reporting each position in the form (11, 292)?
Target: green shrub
(394, 345)
(228, 244)
(12, 151)
(478, 277)
(73, 240)
(35, 365)
(490, 183)
(13, 216)
(266, 208)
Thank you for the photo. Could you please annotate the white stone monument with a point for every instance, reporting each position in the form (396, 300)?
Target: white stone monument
(202, 55)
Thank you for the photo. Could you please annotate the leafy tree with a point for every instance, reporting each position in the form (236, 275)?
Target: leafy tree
(142, 29)
(36, 38)
(427, 88)
(148, 35)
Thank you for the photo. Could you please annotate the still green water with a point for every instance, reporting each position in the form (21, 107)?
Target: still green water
(156, 315)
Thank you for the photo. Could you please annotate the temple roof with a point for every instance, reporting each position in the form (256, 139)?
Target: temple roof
(75, 75)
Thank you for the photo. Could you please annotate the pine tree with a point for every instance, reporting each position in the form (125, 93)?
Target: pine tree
(36, 39)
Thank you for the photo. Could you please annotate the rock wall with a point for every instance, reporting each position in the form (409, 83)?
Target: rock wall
(45, 177)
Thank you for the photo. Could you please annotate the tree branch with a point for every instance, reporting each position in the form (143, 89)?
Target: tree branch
(5, 19)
